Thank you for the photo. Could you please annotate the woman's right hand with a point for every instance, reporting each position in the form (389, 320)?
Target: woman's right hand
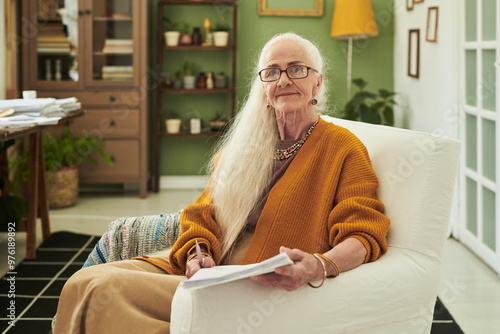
(194, 265)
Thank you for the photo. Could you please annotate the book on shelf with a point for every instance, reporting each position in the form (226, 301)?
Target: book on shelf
(43, 49)
(117, 69)
(110, 41)
(117, 76)
(118, 46)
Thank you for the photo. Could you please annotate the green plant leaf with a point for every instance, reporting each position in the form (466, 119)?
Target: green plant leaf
(388, 115)
(360, 83)
(368, 115)
(385, 94)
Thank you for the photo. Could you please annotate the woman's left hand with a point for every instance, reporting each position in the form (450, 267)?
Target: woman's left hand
(305, 268)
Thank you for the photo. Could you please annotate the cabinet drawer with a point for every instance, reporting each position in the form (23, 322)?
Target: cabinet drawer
(99, 98)
(125, 154)
(108, 123)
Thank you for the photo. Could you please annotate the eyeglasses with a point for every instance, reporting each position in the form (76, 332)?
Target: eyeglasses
(293, 72)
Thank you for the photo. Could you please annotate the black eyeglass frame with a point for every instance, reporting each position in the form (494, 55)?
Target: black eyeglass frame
(286, 71)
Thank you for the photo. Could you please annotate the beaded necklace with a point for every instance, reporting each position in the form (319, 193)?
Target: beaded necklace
(286, 153)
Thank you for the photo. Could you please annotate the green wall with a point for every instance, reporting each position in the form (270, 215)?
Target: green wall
(372, 60)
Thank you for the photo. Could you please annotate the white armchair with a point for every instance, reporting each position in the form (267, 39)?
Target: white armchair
(395, 294)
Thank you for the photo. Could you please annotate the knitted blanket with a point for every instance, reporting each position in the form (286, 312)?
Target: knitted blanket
(127, 237)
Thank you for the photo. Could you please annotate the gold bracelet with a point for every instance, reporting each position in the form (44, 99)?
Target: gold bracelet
(334, 265)
(324, 273)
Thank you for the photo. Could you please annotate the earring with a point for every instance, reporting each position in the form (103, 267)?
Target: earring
(314, 102)
(269, 107)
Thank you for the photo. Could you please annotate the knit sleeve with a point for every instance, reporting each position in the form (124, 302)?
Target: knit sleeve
(357, 211)
(197, 222)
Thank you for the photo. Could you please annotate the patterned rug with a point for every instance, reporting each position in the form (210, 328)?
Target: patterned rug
(37, 285)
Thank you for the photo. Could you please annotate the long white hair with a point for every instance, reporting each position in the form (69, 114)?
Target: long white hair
(243, 161)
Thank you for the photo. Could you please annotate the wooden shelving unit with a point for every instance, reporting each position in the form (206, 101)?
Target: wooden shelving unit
(162, 49)
(116, 104)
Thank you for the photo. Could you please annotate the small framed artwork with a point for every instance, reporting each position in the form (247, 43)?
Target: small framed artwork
(414, 53)
(432, 24)
(291, 7)
(418, 1)
(409, 4)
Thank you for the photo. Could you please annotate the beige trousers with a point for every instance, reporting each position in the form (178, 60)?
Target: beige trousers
(130, 296)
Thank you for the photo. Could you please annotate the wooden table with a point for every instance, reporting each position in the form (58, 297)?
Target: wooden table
(37, 192)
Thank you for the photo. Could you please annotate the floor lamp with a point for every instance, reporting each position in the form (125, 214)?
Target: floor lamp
(353, 19)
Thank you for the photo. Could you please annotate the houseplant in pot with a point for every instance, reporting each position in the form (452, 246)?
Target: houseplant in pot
(189, 79)
(171, 35)
(173, 123)
(219, 123)
(63, 156)
(221, 34)
(370, 107)
(186, 38)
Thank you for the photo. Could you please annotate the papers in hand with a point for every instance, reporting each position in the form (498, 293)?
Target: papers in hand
(222, 274)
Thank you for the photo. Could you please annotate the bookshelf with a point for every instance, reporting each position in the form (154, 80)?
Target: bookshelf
(97, 51)
(168, 55)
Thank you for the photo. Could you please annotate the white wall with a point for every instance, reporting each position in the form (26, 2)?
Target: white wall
(2, 50)
(429, 103)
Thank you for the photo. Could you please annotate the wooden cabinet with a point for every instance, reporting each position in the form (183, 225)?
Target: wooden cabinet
(97, 51)
(168, 55)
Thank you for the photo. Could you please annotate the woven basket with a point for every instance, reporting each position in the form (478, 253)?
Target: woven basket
(62, 188)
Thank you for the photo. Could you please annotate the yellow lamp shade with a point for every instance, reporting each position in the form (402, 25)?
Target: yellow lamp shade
(353, 19)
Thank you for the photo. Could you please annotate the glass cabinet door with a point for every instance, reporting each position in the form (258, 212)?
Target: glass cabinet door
(56, 56)
(111, 40)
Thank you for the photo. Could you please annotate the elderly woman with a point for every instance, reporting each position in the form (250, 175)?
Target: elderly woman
(283, 180)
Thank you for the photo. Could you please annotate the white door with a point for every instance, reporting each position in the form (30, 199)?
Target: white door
(480, 128)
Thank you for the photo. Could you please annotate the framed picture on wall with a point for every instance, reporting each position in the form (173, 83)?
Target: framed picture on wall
(409, 4)
(432, 24)
(418, 1)
(414, 53)
(291, 7)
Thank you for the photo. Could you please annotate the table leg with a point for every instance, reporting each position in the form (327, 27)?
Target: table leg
(34, 140)
(4, 173)
(42, 192)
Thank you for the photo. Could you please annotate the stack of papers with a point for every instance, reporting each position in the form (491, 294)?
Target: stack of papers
(224, 274)
(31, 112)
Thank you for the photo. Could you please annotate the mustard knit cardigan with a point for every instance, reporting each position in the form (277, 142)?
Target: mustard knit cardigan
(327, 194)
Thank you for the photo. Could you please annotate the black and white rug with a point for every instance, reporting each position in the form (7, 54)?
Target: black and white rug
(30, 293)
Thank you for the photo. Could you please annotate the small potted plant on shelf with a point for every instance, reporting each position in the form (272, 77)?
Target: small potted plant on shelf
(370, 107)
(63, 156)
(219, 123)
(189, 78)
(186, 38)
(221, 34)
(173, 123)
(171, 35)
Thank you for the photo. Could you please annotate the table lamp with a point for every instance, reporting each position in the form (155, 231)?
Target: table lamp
(353, 19)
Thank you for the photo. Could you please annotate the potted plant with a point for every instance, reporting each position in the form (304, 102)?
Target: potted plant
(219, 123)
(221, 34)
(63, 156)
(370, 107)
(186, 38)
(173, 123)
(189, 79)
(171, 35)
